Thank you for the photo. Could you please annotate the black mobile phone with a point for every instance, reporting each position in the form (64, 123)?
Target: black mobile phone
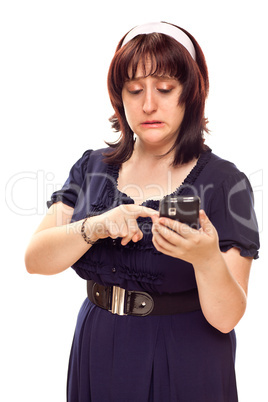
(182, 209)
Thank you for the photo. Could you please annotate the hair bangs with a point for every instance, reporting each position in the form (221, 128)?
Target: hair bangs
(156, 54)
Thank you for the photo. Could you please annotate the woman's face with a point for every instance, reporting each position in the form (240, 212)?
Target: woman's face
(152, 108)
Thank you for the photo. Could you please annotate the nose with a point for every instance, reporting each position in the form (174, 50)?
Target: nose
(149, 101)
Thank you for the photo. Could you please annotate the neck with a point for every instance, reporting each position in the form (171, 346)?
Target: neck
(152, 154)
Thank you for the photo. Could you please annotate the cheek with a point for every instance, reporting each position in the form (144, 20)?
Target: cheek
(130, 113)
(126, 109)
(130, 119)
(179, 114)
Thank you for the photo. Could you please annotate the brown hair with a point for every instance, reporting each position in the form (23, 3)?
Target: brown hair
(168, 57)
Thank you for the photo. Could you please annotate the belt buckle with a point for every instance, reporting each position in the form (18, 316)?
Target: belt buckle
(118, 301)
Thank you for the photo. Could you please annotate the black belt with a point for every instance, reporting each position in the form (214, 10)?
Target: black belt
(126, 302)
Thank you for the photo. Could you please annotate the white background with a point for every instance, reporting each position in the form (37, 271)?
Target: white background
(55, 56)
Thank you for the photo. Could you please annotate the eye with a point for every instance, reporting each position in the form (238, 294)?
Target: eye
(164, 91)
(135, 91)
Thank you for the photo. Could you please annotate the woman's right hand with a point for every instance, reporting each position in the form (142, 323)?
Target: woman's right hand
(57, 243)
(119, 222)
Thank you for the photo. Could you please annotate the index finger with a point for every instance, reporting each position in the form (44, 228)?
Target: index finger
(147, 212)
(138, 210)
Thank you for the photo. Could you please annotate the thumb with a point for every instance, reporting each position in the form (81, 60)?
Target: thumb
(205, 223)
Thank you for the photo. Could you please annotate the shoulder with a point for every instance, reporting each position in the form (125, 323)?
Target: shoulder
(222, 166)
(218, 171)
(96, 153)
(226, 185)
(91, 157)
(222, 180)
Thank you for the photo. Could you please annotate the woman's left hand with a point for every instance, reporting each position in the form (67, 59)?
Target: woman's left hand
(184, 242)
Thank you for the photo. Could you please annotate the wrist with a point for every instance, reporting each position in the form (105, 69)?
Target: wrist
(209, 262)
(88, 230)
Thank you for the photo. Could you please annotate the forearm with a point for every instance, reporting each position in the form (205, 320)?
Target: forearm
(55, 249)
(222, 299)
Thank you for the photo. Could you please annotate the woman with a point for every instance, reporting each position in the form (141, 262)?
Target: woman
(163, 298)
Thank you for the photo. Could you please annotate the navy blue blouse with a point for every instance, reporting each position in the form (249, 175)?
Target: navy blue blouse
(226, 196)
(178, 357)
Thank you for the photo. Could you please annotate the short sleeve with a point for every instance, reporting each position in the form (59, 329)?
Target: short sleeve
(232, 213)
(68, 194)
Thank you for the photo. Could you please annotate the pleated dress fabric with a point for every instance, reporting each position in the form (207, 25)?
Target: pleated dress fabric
(176, 358)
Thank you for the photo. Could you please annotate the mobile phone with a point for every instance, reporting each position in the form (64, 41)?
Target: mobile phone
(182, 209)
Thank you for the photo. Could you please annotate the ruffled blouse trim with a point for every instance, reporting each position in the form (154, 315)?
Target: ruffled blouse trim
(249, 252)
(113, 171)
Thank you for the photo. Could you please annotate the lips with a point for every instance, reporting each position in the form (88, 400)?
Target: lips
(152, 124)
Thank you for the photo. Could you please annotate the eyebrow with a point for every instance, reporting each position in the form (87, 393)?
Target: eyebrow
(158, 77)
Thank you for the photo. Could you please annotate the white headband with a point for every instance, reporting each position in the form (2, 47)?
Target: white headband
(164, 28)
